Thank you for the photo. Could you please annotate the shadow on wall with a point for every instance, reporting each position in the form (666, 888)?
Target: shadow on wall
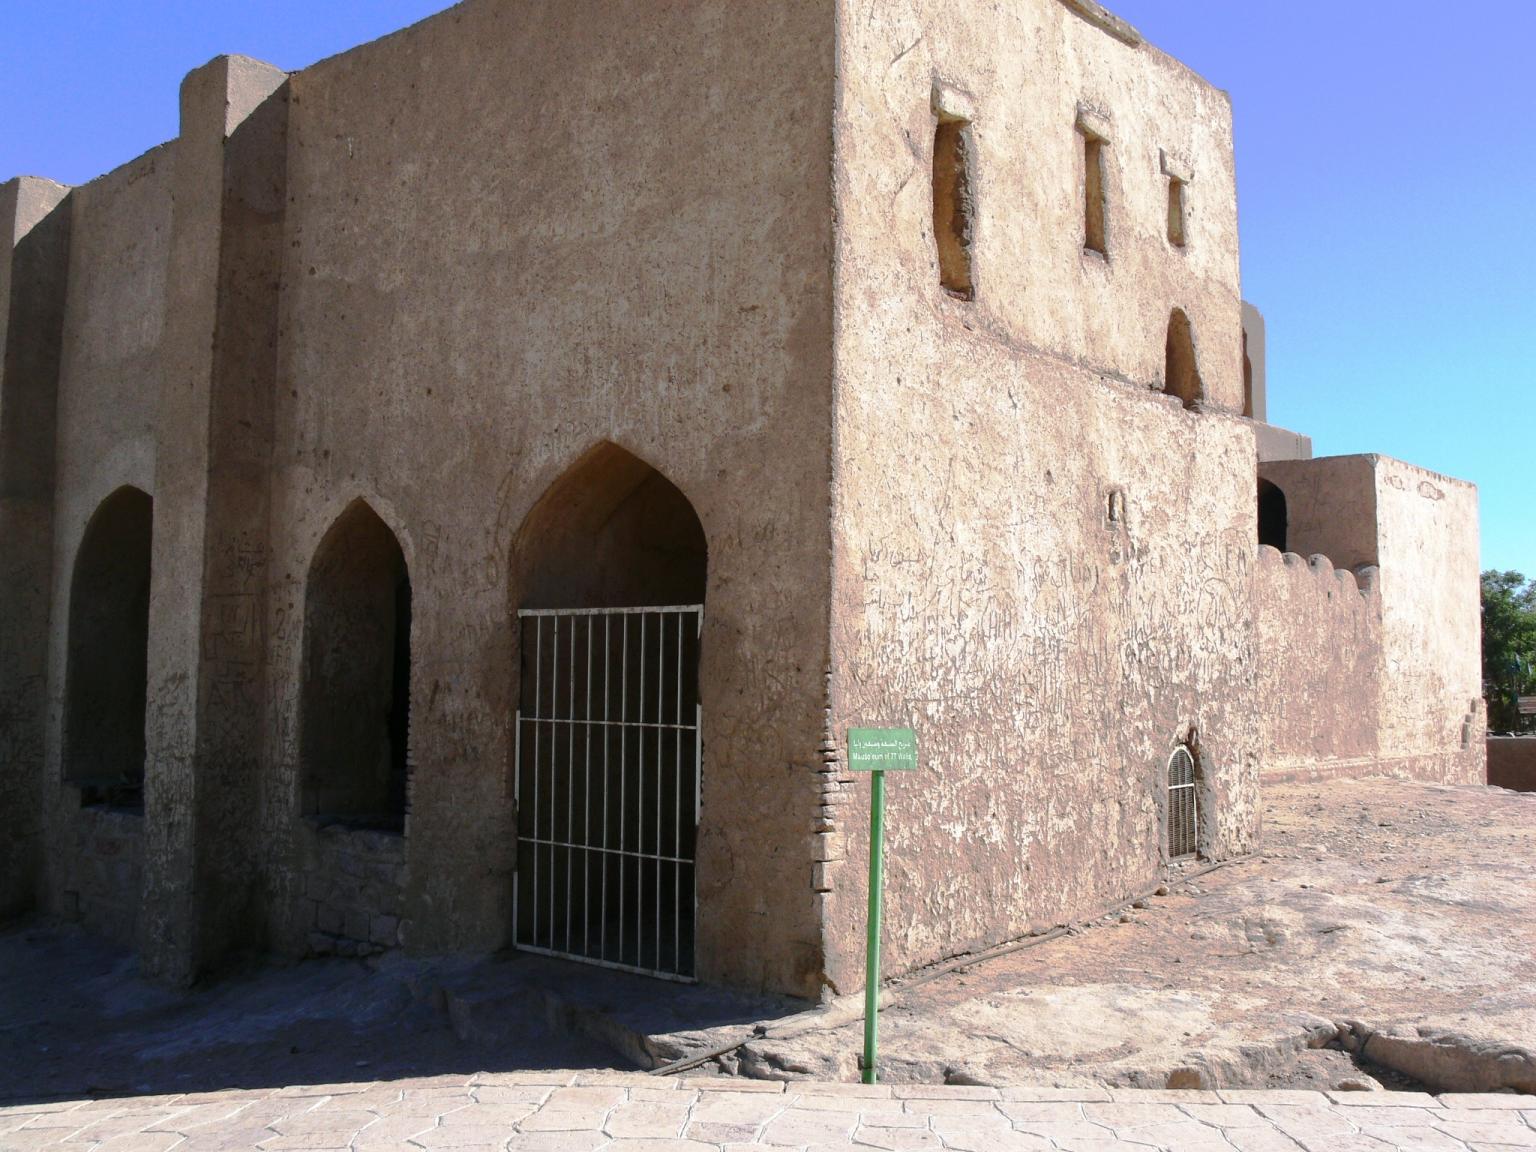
(611, 532)
(107, 669)
(608, 737)
(357, 675)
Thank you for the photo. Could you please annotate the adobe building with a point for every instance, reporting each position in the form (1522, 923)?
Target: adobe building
(458, 496)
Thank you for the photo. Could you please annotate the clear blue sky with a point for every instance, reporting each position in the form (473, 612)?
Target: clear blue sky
(1386, 159)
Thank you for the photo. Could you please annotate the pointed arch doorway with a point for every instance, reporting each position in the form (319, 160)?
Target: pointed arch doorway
(612, 567)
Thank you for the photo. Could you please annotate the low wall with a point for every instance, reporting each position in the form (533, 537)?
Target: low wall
(1512, 762)
(351, 899)
(1319, 651)
(105, 877)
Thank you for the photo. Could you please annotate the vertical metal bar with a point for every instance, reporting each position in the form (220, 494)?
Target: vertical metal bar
(623, 768)
(570, 786)
(602, 927)
(640, 810)
(517, 808)
(538, 684)
(698, 782)
(677, 809)
(554, 738)
(586, 806)
(872, 944)
(661, 669)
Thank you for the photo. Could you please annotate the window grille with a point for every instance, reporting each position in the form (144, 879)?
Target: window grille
(1183, 805)
(607, 785)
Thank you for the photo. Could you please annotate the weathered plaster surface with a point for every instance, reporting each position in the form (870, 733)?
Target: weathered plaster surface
(1330, 505)
(628, 241)
(108, 412)
(1319, 646)
(1433, 717)
(34, 261)
(1050, 659)
(436, 272)
(1403, 696)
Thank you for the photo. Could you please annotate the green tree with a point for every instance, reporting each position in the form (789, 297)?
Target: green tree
(1509, 644)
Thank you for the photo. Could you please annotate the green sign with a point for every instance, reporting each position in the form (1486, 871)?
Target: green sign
(882, 750)
(877, 751)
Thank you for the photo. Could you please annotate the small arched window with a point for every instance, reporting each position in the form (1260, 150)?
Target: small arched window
(1183, 821)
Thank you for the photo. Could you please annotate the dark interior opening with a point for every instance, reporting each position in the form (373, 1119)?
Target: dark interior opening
(357, 675)
(1272, 515)
(107, 671)
(1176, 212)
(608, 740)
(1247, 379)
(1181, 374)
(954, 206)
(1094, 222)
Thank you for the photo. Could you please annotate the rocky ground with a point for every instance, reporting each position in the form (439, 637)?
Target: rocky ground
(1385, 937)
(1383, 916)
(76, 1020)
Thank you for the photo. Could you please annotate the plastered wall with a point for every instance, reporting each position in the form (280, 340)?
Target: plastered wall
(34, 266)
(445, 272)
(1433, 717)
(1050, 659)
(1405, 699)
(628, 240)
(1319, 662)
(107, 414)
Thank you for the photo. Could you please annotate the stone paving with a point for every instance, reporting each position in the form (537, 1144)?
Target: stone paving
(618, 1112)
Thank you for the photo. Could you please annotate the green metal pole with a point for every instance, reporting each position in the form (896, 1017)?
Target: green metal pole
(872, 961)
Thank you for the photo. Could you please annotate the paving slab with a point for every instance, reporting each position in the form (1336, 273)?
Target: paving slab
(624, 1116)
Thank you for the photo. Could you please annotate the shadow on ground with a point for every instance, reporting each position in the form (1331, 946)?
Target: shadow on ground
(76, 1019)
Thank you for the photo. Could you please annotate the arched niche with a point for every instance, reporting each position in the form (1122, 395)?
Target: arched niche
(107, 665)
(355, 695)
(610, 532)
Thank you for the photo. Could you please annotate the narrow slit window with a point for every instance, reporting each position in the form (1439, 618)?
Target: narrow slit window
(954, 206)
(1272, 515)
(1181, 373)
(1093, 194)
(1247, 378)
(1176, 212)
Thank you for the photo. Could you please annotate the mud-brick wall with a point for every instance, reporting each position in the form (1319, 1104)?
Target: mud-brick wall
(351, 890)
(1512, 762)
(107, 410)
(1433, 723)
(101, 888)
(1319, 650)
(1040, 561)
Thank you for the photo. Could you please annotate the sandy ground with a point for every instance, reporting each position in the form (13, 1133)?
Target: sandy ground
(1401, 915)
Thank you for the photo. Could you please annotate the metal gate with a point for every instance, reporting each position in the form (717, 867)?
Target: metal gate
(1183, 805)
(607, 786)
